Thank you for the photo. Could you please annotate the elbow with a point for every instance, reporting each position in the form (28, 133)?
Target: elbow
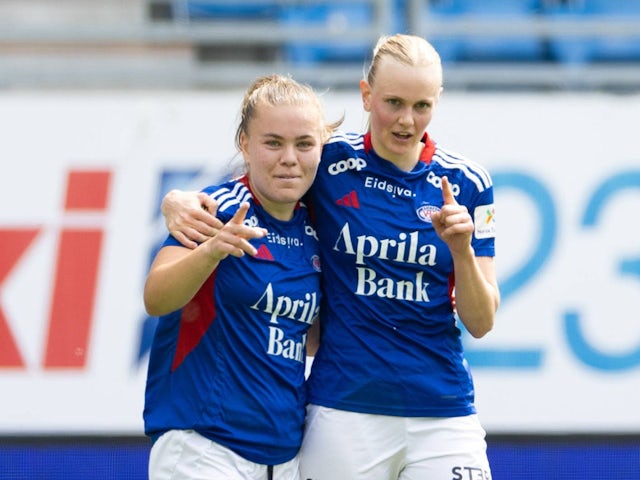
(485, 324)
(481, 328)
(151, 304)
(152, 308)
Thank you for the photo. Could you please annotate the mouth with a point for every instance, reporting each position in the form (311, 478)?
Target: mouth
(287, 177)
(402, 135)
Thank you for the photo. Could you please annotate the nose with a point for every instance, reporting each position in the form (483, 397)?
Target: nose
(289, 155)
(405, 116)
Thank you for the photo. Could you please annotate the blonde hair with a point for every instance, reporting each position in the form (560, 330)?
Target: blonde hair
(278, 90)
(410, 50)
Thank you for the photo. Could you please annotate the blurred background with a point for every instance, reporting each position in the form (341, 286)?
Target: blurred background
(491, 44)
(105, 105)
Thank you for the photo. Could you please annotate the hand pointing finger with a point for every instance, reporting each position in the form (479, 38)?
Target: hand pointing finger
(242, 230)
(447, 193)
(241, 213)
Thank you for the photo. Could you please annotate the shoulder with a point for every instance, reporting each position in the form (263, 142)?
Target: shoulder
(342, 152)
(345, 140)
(462, 168)
(229, 195)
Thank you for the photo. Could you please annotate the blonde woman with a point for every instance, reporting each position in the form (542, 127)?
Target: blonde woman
(225, 395)
(406, 231)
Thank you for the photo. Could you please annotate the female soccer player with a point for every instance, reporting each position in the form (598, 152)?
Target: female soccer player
(225, 395)
(406, 230)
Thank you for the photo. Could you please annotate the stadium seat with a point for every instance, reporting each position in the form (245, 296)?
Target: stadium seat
(488, 47)
(448, 46)
(226, 9)
(338, 18)
(575, 50)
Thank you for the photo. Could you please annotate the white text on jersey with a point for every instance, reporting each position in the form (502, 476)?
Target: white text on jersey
(346, 164)
(385, 186)
(404, 249)
(286, 347)
(282, 240)
(302, 310)
(369, 283)
(436, 181)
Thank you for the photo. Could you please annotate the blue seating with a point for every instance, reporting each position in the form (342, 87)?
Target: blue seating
(338, 18)
(227, 9)
(448, 46)
(487, 47)
(572, 49)
(341, 18)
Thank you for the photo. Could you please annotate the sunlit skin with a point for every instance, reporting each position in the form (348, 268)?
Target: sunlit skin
(401, 104)
(477, 294)
(281, 148)
(289, 149)
(282, 151)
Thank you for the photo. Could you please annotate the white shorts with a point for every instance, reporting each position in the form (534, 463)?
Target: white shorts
(187, 455)
(341, 445)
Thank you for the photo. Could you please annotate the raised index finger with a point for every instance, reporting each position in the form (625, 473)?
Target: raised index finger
(447, 193)
(241, 213)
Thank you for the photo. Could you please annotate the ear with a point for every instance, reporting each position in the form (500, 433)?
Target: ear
(365, 91)
(244, 144)
(244, 149)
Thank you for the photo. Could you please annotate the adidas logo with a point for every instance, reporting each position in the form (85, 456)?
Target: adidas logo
(264, 253)
(349, 200)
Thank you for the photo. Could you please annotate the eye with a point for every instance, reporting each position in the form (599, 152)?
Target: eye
(423, 106)
(272, 143)
(393, 102)
(306, 144)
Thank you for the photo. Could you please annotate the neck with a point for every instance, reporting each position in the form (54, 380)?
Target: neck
(405, 162)
(279, 211)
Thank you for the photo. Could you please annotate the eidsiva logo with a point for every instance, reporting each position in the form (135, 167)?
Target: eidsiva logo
(484, 220)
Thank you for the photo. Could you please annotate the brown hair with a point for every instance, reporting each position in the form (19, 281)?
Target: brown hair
(279, 90)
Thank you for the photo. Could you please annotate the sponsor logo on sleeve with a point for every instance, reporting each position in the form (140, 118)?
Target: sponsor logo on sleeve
(484, 220)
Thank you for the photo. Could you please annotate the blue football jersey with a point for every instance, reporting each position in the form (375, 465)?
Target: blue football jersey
(390, 343)
(231, 363)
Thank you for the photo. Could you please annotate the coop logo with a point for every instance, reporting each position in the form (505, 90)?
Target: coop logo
(77, 259)
(436, 181)
(347, 164)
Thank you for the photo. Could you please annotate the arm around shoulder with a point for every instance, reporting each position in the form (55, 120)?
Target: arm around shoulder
(190, 216)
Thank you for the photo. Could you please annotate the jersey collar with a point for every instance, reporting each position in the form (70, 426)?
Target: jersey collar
(425, 156)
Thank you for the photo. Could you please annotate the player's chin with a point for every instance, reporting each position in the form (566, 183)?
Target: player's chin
(292, 187)
(289, 197)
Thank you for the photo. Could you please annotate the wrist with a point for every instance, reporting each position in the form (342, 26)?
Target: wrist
(467, 253)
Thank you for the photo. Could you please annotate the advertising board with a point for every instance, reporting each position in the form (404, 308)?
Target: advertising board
(82, 176)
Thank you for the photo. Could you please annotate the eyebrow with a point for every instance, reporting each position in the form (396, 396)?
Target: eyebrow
(405, 100)
(279, 137)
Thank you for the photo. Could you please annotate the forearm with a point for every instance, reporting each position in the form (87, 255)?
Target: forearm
(476, 292)
(172, 284)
